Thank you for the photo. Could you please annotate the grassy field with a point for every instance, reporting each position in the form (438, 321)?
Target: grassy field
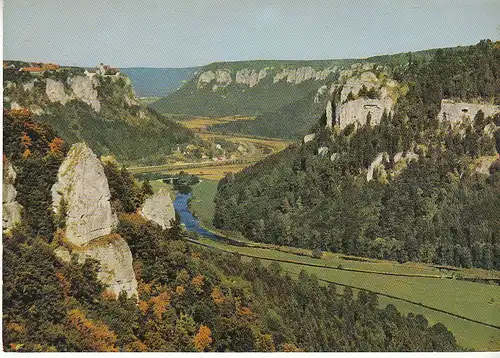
(476, 301)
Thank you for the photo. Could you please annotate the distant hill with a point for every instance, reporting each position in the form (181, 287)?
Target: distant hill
(158, 82)
(284, 95)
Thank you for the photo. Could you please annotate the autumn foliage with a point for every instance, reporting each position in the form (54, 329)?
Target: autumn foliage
(96, 336)
(203, 338)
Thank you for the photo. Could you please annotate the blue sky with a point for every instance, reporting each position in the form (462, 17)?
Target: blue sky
(183, 33)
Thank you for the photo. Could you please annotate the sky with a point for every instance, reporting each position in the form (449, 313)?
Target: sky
(185, 33)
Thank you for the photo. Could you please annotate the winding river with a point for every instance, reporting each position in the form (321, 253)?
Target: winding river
(188, 219)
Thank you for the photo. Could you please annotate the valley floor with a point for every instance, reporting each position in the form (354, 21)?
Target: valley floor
(256, 149)
(411, 287)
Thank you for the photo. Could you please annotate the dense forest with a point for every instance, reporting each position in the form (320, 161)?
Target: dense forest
(190, 298)
(436, 208)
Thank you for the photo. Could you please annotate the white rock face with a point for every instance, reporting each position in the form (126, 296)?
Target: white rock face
(329, 114)
(222, 77)
(323, 151)
(459, 112)
(159, 208)
(356, 111)
(309, 137)
(83, 89)
(377, 163)
(55, 91)
(250, 77)
(116, 264)
(321, 92)
(28, 86)
(301, 74)
(11, 209)
(83, 186)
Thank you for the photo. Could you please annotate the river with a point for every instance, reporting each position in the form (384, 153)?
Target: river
(188, 219)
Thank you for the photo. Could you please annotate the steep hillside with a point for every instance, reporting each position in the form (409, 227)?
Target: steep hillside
(157, 82)
(284, 95)
(184, 297)
(403, 165)
(98, 107)
(248, 88)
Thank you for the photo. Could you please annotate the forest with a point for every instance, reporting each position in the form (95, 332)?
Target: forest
(435, 209)
(192, 299)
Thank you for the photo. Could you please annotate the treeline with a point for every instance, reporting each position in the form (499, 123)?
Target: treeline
(435, 209)
(189, 298)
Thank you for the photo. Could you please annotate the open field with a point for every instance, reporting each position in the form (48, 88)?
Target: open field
(476, 301)
(202, 123)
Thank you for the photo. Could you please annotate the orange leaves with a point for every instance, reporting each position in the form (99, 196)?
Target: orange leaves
(198, 281)
(143, 306)
(160, 304)
(95, 335)
(26, 153)
(134, 218)
(217, 296)
(56, 145)
(203, 338)
(26, 140)
(15, 327)
(108, 295)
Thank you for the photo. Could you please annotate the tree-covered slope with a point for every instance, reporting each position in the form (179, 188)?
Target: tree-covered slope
(157, 82)
(190, 298)
(410, 188)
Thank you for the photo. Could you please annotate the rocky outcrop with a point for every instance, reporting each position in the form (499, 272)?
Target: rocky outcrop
(377, 165)
(456, 112)
(83, 89)
(80, 87)
(82, 192)
(116, 263)
(355, 110)
(323, 151)
(309, 137)
(55, 91)
(250, 77)
(221, 77)
(81, 195)
(159, 208)
(11, 209)
(301, 74)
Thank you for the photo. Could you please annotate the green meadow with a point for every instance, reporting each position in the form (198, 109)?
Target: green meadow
(476, 301)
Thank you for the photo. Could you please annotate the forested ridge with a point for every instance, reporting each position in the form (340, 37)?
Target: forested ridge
(190, 298)
(436, 208)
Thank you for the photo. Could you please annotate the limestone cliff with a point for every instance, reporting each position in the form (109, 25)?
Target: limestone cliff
(82, 188)
(159, 208)
(456, 112)
(81, 196)
(353, 106)
(11, 209)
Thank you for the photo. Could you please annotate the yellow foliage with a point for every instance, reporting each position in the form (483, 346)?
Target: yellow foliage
(180, 290)
(203, 338)
(160, 303)
(136, 346)
(26, 153)
(217, 295)
(290, 347)
(198, 280)
(26, 140)
(15, 327)
(96, 335)
(143, 306)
